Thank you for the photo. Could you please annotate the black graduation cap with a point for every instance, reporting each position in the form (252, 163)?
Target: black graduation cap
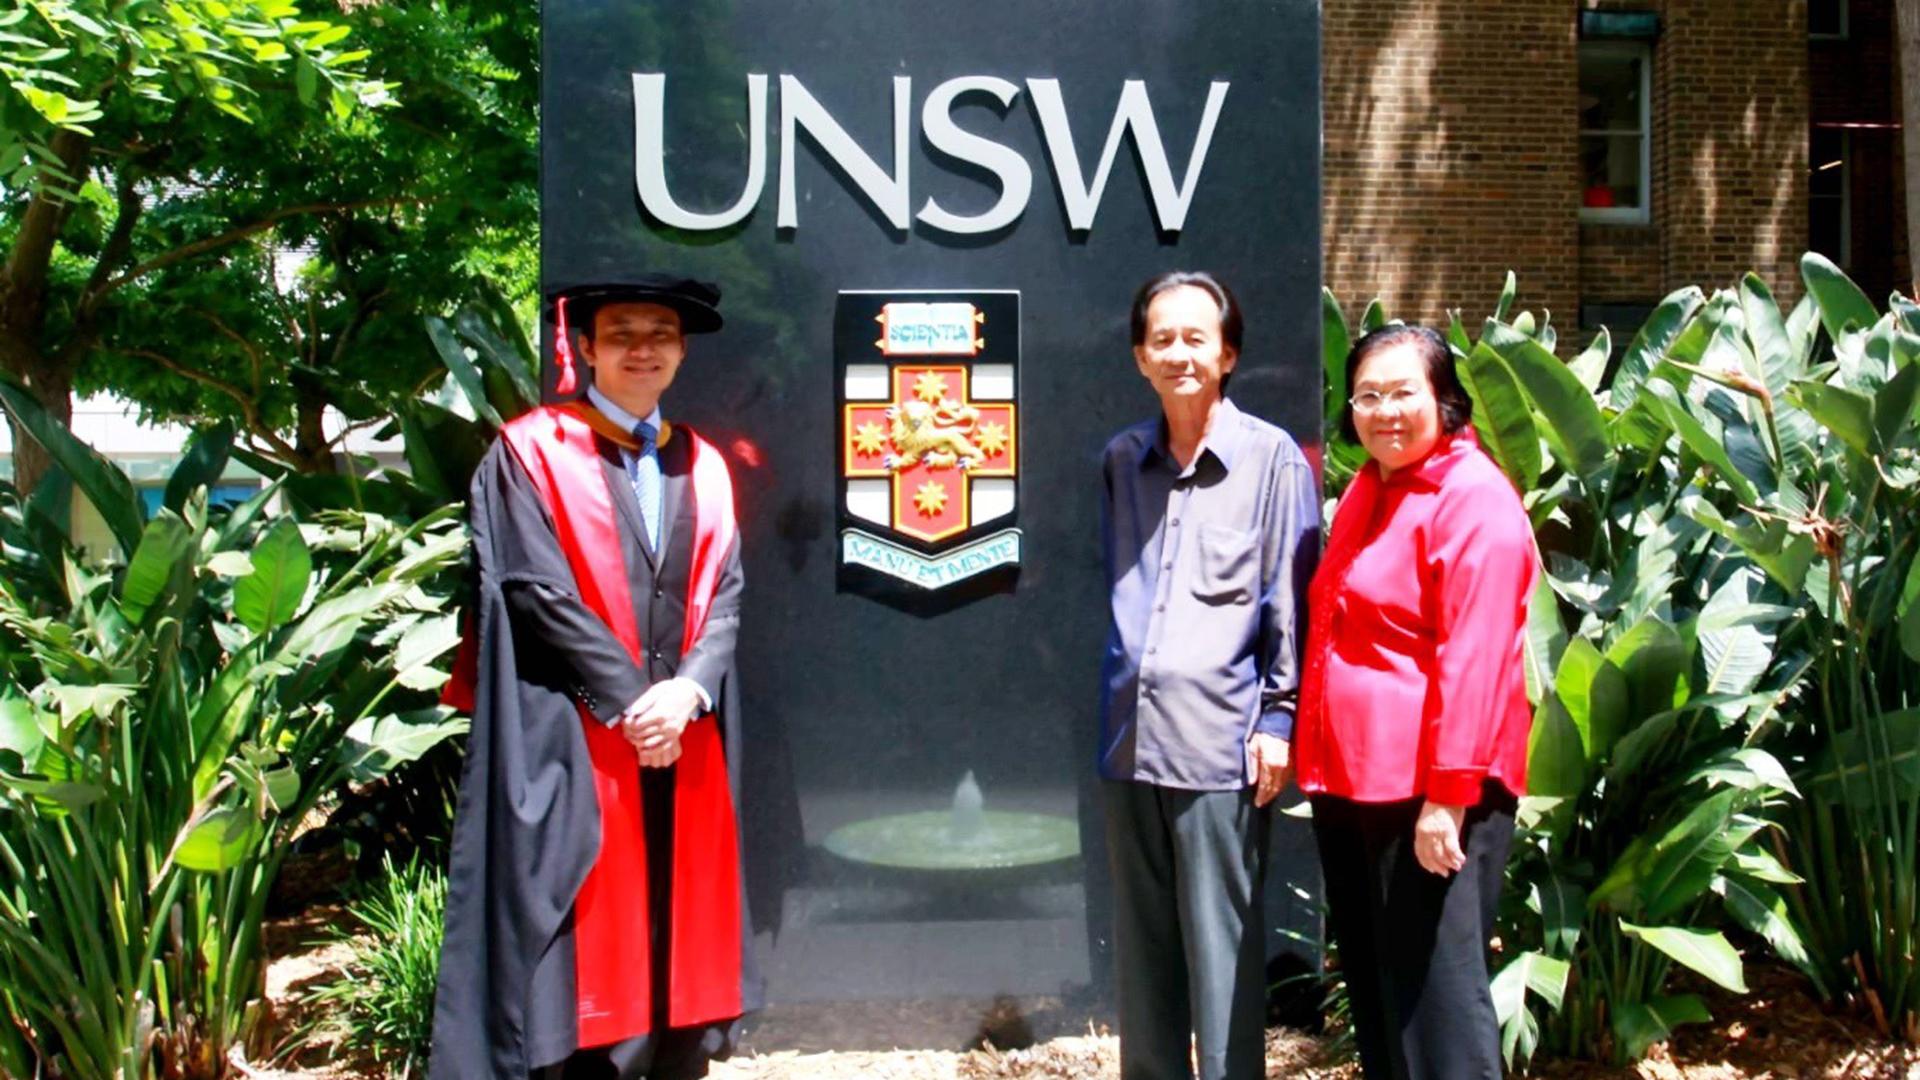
(698, 303)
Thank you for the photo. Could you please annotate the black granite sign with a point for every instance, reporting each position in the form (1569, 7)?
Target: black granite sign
(870, 183)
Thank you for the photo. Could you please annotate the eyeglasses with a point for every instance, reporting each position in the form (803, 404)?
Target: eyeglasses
(1372, 401)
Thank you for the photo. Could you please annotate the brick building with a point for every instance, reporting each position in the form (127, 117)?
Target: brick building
(1607, 151)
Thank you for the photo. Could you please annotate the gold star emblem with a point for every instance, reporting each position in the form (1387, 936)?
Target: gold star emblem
(931, 498)
(930, 386)
(870, 439)
(991, 438)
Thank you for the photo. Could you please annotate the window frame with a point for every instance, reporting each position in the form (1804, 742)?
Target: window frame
(1846, 25)
(1626, 215)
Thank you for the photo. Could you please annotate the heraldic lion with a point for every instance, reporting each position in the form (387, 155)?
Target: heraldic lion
(933, 433)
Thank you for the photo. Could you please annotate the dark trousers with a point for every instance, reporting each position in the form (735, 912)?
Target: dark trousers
(1413, 944)
(1189, 950)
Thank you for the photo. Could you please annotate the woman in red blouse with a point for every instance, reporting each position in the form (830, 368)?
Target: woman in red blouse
(1412, 734)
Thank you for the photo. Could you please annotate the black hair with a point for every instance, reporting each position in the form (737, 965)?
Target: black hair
(1232, 323)
(1456, 408)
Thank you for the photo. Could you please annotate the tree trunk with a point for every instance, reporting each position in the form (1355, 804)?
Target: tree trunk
(52, 386)
(23, 303)
(1908, 30)
(310, 435)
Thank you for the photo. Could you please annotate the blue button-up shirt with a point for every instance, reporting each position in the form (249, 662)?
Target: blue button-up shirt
(1207, 567)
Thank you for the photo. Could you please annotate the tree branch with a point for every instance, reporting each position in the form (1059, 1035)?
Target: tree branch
(213, 243)
(357, 425)
(249, 409)
(254, 359)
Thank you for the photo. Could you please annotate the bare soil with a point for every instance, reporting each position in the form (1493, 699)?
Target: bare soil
(1775, 1032)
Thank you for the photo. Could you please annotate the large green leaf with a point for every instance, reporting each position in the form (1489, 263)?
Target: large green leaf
(1773, 349)
(1652, 657)
(282, 569)
(1335, 343)
(102, 482)
(160, 565)
(1658, 875)
(20, 731)
(422, 644)
(222, 714)
(493, 328)
(1594, 691)
(1893, 407)
(1562, 907)
(1501, 415)
(1591, 365)
(453, 353)
(1705, 952)
(1574, 426)
(1546, 639)
(1843, 306)
(374, 746)
(1556, 755)
(1637, 1025)
(1529, 973)
(1760, 908)
(1848, 414)
(1771, 545)
(1679, 414)
(1650, 344)
(217, 841)
(1736, 636)
(200, 467)
(442, 449)
(1373, 318)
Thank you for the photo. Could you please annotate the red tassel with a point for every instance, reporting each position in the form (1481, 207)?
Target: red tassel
(563, 352)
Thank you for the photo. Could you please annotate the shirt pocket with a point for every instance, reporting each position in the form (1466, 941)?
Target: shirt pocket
(1229, 564)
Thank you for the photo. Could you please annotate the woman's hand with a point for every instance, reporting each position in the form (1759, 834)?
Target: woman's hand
(1436, 838)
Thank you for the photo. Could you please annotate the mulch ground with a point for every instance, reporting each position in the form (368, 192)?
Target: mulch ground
(1775, 1032)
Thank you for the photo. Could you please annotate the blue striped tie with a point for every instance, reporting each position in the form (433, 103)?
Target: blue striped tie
(643, 468)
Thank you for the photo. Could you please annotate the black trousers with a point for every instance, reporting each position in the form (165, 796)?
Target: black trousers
(1413, 944)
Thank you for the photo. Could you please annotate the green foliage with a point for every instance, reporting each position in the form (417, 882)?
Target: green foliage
(271, 274)
(166, 724)
(385, 1002)
(86, 66)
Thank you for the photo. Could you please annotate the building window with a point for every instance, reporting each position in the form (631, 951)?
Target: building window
(1829, 209)
(1615, 125)
(1827, 18)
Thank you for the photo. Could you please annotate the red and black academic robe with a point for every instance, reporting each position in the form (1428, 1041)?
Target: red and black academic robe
(577, 918)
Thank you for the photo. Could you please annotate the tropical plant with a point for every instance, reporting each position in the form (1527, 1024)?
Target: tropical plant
(385, 1001)
(168, 722)
(1845, 513)
(1651, 662)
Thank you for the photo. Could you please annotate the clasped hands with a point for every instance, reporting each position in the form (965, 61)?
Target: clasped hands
(658, 717)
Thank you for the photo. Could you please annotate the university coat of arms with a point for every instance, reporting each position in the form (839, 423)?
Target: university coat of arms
(929, 438)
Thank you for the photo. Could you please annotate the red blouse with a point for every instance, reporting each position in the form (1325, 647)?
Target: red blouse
(1413, 683)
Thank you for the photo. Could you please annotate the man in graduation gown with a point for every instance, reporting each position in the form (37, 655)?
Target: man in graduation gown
(595, 918)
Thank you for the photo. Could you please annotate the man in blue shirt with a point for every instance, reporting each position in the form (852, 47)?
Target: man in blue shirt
(1212, 527)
